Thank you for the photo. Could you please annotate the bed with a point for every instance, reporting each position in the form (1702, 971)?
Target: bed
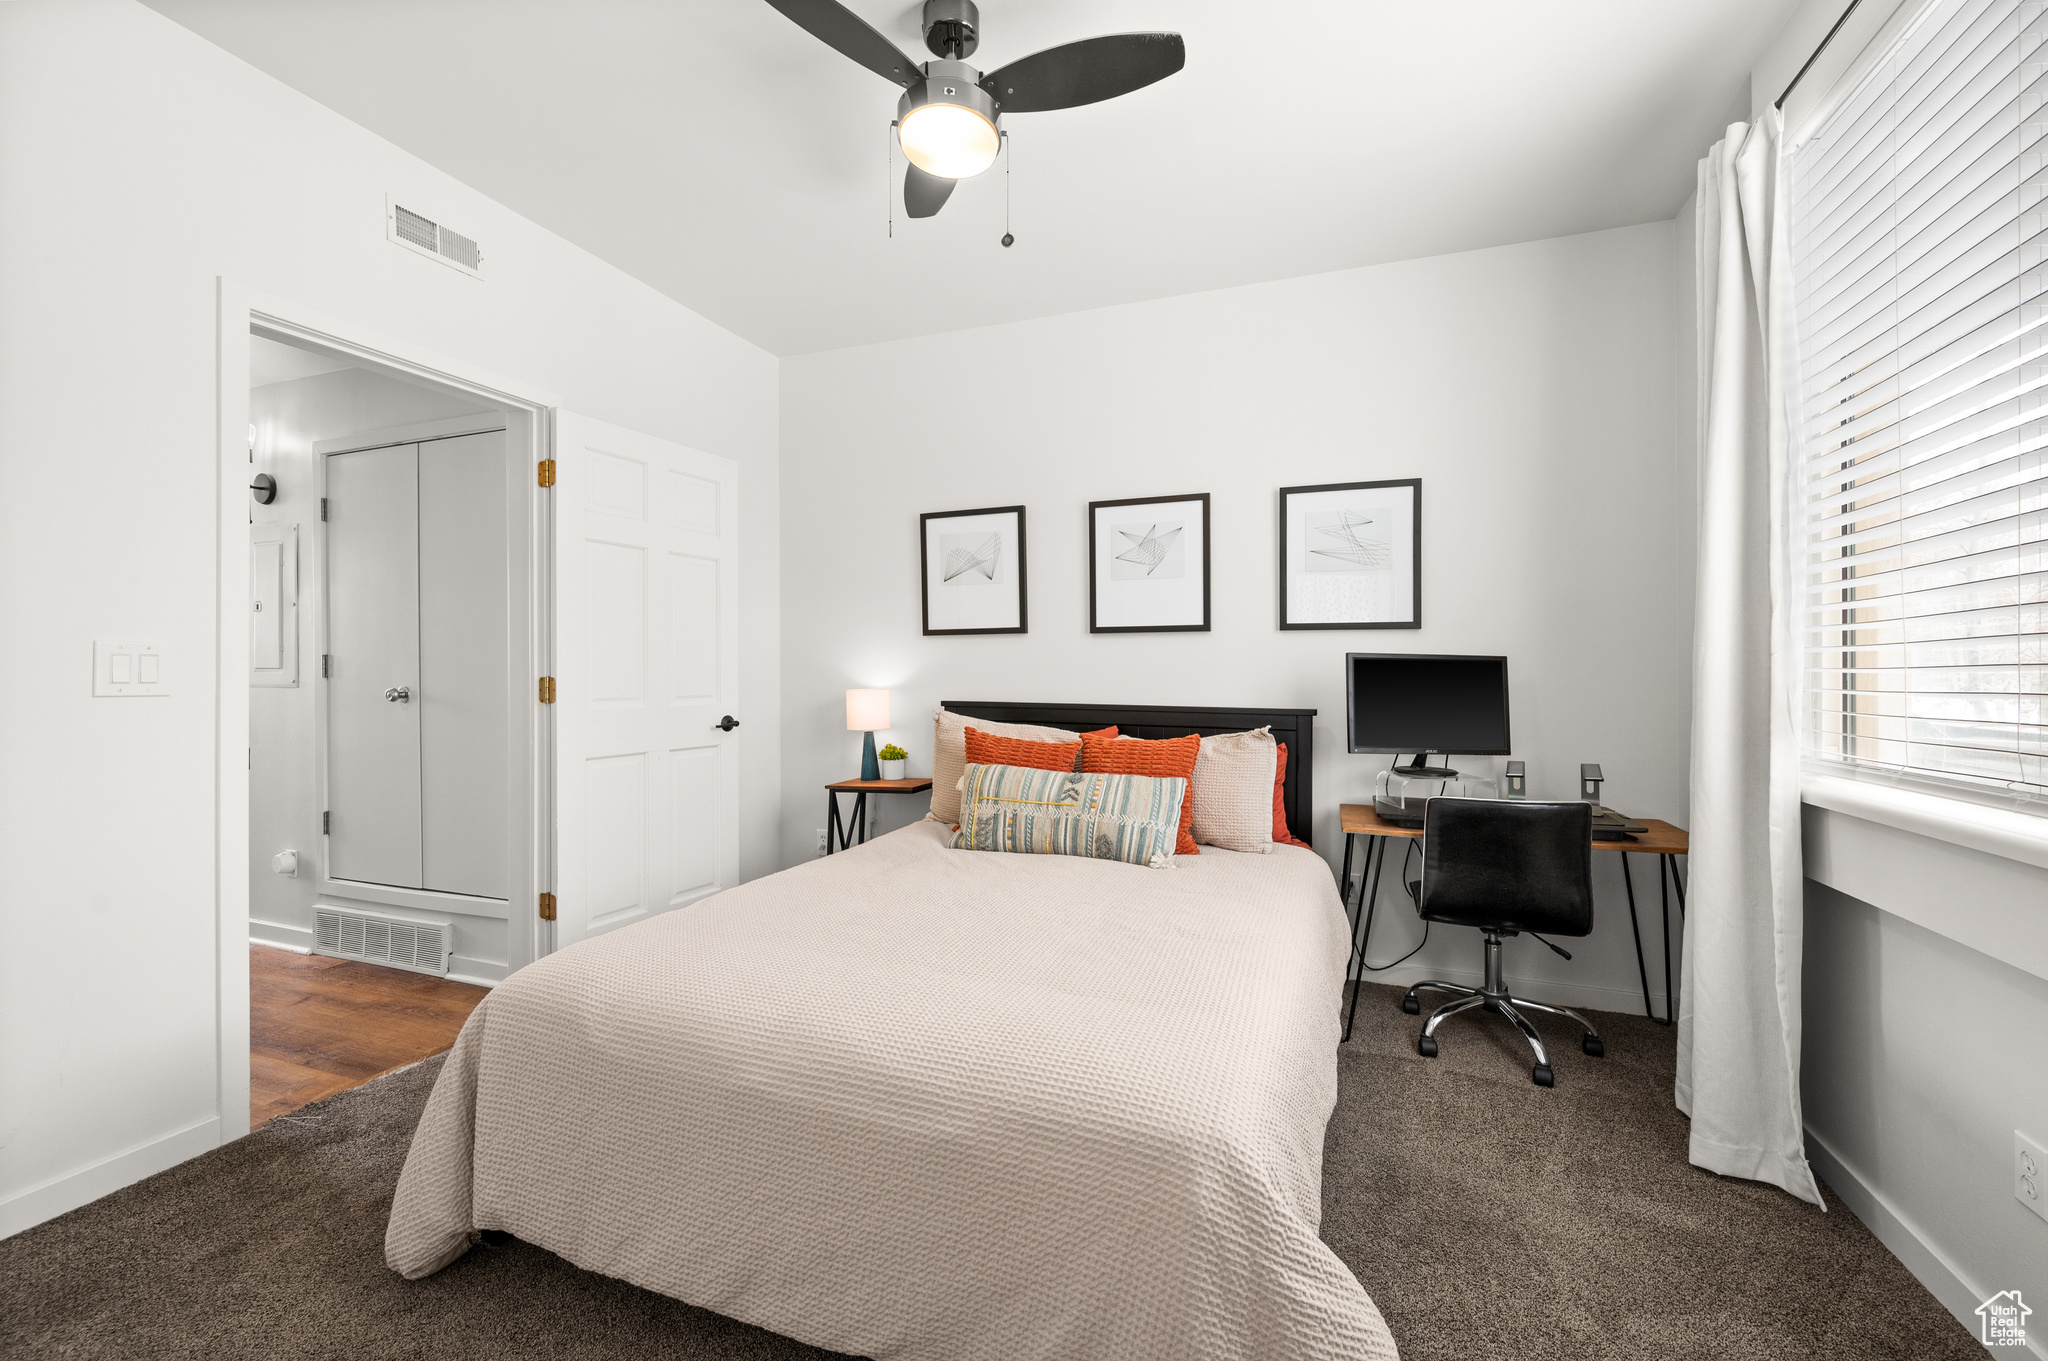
(912, 1102)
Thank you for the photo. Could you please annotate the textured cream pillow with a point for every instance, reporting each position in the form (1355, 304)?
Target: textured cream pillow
(1233, 790)
(949, 756)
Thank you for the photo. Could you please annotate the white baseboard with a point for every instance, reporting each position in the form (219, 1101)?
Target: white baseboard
(485, 973)
(25, 1209)
(298, 939)
(1580, 995)
(1929, 1265)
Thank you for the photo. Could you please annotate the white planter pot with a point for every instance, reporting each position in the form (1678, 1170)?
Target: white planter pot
(893, 770)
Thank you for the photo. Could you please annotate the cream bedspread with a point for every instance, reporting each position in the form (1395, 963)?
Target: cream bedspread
(911, 1102)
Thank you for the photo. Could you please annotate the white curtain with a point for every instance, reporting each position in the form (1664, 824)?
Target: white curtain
(1738, 1028)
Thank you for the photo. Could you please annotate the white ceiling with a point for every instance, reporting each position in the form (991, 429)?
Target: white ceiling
(716, 151)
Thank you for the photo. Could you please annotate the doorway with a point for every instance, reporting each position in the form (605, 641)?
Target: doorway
(390, 733)
(621, 581)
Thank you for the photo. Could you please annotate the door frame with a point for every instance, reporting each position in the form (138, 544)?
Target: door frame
(240, 311)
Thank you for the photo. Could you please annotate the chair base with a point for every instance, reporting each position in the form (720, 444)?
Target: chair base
(1495, 997)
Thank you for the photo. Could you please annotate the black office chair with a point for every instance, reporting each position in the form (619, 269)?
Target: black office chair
(1505, 867)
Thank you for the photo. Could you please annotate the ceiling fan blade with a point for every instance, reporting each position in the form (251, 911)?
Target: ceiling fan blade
(1085, 72)
(845, 32)
(924, 195)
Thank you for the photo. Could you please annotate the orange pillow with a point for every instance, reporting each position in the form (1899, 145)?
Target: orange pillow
(987, 749)
(1280, 832)
(1136, 756)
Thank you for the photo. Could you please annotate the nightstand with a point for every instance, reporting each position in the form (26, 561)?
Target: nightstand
(835, 832)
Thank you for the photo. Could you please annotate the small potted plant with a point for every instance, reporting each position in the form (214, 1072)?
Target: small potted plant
(892, 758)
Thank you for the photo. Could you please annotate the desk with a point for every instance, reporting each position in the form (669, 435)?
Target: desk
(1662, 840)
(860, 789)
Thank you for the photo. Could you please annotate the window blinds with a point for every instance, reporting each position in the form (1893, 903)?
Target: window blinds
(1919, 237)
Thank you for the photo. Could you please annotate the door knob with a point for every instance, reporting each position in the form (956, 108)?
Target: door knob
(726, 724)
(399, 694)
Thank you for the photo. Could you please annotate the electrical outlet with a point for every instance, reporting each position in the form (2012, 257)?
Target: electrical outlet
(821, 843)
(2030, 1173)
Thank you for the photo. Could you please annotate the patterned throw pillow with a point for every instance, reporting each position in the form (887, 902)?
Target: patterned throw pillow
(1174, 756)
(1132, 818)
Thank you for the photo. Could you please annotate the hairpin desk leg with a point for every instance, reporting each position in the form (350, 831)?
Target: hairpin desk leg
(1344, 880)
(1668, 864)
(1371, 877)
(1642, 970)
(833, 834)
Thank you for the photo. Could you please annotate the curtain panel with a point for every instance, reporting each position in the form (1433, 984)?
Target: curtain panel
(1739, 1023)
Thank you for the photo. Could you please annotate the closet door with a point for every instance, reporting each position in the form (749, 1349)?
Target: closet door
(465, 763)
(373, 643)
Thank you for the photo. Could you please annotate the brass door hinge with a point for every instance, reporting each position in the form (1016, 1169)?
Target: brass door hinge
(547, 689)
(547, 907)
(547, 472)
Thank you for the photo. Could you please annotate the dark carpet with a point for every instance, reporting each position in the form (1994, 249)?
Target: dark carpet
(1488, 1217)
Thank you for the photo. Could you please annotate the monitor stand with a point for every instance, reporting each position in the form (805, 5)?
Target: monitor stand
(1418, 771)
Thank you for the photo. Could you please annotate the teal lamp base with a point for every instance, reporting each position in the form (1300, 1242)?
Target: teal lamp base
(870, 768)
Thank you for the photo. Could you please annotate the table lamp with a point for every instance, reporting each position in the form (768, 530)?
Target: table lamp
(867, 711)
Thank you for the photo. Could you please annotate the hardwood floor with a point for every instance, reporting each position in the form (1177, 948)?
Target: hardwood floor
(318, 1026)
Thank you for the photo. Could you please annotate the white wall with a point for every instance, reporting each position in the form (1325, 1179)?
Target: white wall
(1924, 1055)
(137, 165)
(284, 797)
(1530, 387)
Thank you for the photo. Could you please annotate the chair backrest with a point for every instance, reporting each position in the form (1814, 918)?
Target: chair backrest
(1507, 864)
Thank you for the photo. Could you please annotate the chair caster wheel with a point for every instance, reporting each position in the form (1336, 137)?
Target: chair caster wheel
(1426, 1046)
(1410, 1005)
(1542, 1076)
(1592, 1045)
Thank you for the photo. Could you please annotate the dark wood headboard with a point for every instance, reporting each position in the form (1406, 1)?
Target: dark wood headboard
(1294, 727)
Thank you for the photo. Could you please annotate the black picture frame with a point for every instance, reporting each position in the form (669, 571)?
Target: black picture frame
(1414, 621)
(1094, 586)
(924, 569)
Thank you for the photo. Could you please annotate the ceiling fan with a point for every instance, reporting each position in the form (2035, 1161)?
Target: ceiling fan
(949, 119)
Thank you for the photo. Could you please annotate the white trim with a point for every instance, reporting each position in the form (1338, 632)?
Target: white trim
(241, 310)
(482, 972)
(1981, 827)
(1929, 1265)
(47, 1200)
(274, 929)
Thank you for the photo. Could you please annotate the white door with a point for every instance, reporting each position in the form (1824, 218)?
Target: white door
(465, 765)
(647, 667)
(373, 643)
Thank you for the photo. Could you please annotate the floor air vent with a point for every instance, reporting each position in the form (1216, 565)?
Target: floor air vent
(350, 934)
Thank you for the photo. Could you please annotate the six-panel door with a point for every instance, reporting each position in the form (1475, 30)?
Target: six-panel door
(647, 600)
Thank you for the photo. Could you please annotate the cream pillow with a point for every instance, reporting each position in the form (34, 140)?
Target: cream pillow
(1233, 790)
(949, 756)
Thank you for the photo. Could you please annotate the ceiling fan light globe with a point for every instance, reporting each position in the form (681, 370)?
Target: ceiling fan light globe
(949, 141)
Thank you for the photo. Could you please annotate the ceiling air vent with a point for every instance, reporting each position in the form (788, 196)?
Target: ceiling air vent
(401, 943)
(418, 231)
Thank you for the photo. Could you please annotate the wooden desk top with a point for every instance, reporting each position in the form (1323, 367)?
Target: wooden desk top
(1662, 838)
(911, 786)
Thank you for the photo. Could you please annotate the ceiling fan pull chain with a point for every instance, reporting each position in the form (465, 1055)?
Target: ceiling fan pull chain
(889, 177)
(1008, 156)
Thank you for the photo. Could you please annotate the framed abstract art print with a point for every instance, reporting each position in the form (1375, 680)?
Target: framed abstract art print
(1148, 564)
(973, 562)
(1351, 555)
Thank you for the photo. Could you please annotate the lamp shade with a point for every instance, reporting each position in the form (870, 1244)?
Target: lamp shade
(867, 710)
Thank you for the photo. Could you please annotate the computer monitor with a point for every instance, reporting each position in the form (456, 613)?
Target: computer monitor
(1409, 703)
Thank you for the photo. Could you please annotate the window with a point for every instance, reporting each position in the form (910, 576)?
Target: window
(1919, 234)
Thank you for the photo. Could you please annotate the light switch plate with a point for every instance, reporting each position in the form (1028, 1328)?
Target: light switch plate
(132, 661)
